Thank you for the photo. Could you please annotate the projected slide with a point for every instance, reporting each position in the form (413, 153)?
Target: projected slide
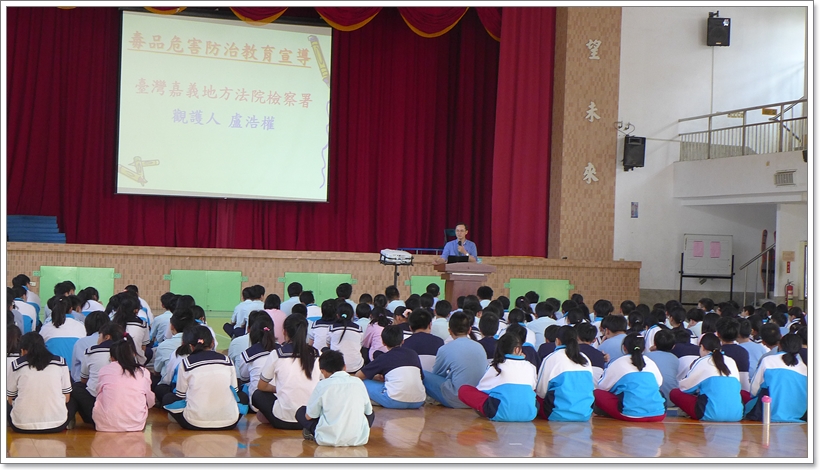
(220, 108)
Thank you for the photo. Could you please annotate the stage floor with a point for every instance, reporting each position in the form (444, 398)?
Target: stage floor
(429, 432)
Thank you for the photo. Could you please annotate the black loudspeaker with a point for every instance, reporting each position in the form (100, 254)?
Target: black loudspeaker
(634, 151)
(717, 31)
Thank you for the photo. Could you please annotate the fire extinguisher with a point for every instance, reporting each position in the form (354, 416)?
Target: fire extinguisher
(789, 294)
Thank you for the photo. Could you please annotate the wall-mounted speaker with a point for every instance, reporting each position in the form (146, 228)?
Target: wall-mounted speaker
(634, 151)
(717, 31)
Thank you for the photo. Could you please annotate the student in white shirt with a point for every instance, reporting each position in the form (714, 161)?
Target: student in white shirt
(20, 296)
(251, 301)
(339, 412)
(159, 327)
(62, 333)
(145, 310)
(250, 361)
(38, 389)
(294, 290)
(126, 317)
(206, 395)
(89, 298)
(288, 377)
(346, 336)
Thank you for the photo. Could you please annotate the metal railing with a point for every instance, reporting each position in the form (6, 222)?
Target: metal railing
(767, 263)
(786, 131)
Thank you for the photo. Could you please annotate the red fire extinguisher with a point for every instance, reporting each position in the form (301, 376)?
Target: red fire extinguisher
(789, 294)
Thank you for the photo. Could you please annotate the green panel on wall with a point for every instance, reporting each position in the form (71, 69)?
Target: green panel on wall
(558, 288)
(309, 281)
(327, 286)
(418, 284)
(323, 285)
(224, 290)
(101, 279)
(190, 282)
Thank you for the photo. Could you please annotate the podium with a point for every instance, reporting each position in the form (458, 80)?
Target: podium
(463, 278)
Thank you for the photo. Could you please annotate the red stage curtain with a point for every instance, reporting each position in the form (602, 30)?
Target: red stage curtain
(348, 18)
(411, 142)
(491, 19)
(430, 22)
(258, 15)
(522, 132)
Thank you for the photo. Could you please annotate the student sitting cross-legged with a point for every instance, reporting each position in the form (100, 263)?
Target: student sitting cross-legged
(506, 392)
(459, 362)
(338, 412)
(394, 379)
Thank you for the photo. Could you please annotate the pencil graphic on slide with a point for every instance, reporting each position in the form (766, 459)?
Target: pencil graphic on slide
(320, 58)
(139, 174)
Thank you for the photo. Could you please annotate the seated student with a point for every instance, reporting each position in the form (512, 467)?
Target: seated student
(485, 295)
(803, 333)
(84, 392)
(206, 395)
(93, 323)
(434, 290)
(272, 306)
(123, 390)
(394, 379)
(145, 310)
(460, 362)
(261, 342)
(565, 382)
(346, 337)
(400, 320)
(544, 314)
(441, 324)
(780, 319)
(685, 351)
(241, 343)
(506, 392)
(548, 347)
(14, 316)
(427, 301)
(393, 298)
(314, 312)
(770, 338)
(199, 318)
(728, 330)
(13, 334)
(366, 299)
(363, 311)
(744, 340)
(637, 323)
(783, 377)
(343, 292)
(62, 333)
(288, 376)
(667, 362)
(159, 327)
(32, 297)
(532, 299)
(797, 319)
(614, 329)
(372, 339)
(711, 389)
(294, 290)
(655, 322)
(677, 321)
(166, 359)
(319, 332)
(251, 300)
(489, 327)
(694, 319)
(20, 294)
(530, 354)
(601, 308)
(425, 344)
(518, 316)
(586, 335)
(38, 388)
(338, 412)
(630, 387)
(61, 289)
(126, 317)
(89, 299)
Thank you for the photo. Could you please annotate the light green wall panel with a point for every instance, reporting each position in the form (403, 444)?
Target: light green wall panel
(212, 290)
(558, 288)
(101, 279)
(418, 284)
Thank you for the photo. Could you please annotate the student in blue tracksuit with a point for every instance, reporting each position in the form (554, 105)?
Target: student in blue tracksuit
(630, 387)
(565, 381)
(711, 389)
(784, 377)
(506, 392)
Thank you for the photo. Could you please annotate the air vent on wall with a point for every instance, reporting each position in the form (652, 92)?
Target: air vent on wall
(784, 178)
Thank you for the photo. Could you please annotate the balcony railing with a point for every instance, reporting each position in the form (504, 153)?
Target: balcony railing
(786, 131)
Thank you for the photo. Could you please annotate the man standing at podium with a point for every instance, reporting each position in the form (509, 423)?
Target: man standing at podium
(458, 247)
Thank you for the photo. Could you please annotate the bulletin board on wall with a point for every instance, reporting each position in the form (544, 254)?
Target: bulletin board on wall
(707, 255)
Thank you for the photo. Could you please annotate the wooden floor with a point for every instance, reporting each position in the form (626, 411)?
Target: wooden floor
(430, 432)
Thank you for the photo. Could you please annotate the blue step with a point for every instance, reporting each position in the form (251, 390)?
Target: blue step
(33, 228)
